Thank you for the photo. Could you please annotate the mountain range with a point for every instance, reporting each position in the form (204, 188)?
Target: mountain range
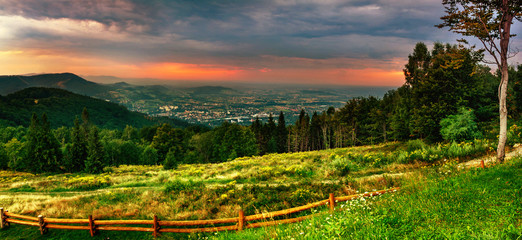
(62, 107)
(67, 81)
(201, 103)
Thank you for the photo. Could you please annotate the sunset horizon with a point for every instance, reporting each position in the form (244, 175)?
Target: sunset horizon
(287, 42)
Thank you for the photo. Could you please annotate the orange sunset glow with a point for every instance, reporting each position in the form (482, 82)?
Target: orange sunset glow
(312, 42)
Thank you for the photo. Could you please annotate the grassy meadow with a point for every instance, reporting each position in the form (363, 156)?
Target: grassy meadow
(438, 193)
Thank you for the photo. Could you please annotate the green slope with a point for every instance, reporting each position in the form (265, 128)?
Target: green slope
(67, 81)
(63, 106)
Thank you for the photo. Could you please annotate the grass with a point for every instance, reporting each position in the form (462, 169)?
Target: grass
(473, 204)
(255, 184)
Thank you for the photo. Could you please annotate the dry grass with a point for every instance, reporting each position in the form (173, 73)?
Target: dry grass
(264, 183)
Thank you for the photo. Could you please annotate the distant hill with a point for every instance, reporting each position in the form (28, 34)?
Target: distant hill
(318, 92)
(206, 90)
(63, 106)
(67, 81)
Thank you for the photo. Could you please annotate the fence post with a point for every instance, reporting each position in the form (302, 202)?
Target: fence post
(331, 202)
(42, 224)
(2, 218)
(156, 226)
(241, 220)
(92, 227)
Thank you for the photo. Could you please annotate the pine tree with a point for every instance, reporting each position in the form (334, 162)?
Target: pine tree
(129, 133)
(316, 142)
(95, 153)
(303, 132)
(173, 158)
(257, 129)
(282, 134)
(167, 137)
(43, 150)
(3, 157)
(78, 151)
(149, 156)
(33, 160)
(270, 136)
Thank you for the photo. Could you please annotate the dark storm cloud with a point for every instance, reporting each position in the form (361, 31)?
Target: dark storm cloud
(176, 30)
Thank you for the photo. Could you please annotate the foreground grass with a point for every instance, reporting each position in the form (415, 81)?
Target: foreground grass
(443, 202)
(473, 204)
(255, 184)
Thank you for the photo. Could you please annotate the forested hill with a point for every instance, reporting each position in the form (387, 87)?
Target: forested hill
(63, 106)
(67, 81)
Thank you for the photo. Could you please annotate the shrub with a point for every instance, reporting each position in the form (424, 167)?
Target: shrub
(416, 144)
(302, 196)
(514, 133)
(90, 182)
(182, 186)
(173, 158)
(460, 127)
(342, 165)
(149, 156)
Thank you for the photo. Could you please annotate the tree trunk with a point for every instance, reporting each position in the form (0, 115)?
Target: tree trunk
(384, 132)
(502, 95)
(502, 136)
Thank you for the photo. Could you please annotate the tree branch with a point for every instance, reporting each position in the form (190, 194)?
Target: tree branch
(492, 42)
(491, 51)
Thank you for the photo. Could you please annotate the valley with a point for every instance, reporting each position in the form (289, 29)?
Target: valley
(208, 105)
(211, 105)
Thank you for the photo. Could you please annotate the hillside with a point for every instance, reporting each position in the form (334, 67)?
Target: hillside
(67, 81)
(63, 106)
(209, 90)
(437, 199)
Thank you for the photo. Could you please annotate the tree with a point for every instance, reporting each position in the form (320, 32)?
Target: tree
(130, 133)
(130, 152)
(43, 150)
(15, 151)
(95, 154)
(401, 116)
(3, 157)
(316, 136)
(149, 156)
(78, 151)
(167, 137)
(282, 134)
(490, 22)
(257, 129)
(439, 82)
(302, 136)
(270, 135)
(173, 158)
(230, 141)
(460, 127)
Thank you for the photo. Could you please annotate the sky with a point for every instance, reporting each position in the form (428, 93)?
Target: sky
(321, 42)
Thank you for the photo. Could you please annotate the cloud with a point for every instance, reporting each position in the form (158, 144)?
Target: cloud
(18, 26)
(245, 37)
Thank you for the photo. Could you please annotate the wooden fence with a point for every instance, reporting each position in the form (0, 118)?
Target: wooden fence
(157, 226)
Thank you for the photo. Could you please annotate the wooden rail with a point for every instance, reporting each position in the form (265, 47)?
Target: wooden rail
(157, 226)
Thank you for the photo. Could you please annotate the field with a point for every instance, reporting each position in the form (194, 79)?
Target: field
(255, 184)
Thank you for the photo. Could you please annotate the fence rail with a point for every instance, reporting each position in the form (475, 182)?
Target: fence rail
(157, 226)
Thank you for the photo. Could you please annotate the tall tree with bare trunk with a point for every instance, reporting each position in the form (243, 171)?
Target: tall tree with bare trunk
(490, 22)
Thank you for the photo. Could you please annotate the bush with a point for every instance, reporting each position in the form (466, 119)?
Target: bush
(416, 144)
(514, 133)
(460, 127)
(342, 165)
(173, 159)
(182, 186)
